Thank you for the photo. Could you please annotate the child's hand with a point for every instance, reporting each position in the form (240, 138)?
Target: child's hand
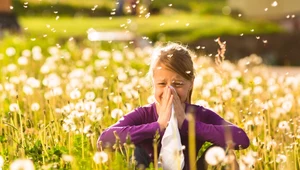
(178, 108)
(164, 108)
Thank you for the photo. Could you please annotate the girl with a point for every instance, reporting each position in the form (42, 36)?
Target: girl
(172, 74)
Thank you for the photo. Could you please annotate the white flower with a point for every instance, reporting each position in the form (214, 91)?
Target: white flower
(215, 155)
(22, 164)
(257, 80)
(284, 125)
(67, 158)
(100, 157)
(35, 107)
(11, 67)
(117, 56)
(116, 113)
(90, 96)
(122, 76)
(287, 105)
(10, 51)
(281, 158)
(104, 54)
(75, 94)
(99, 81)
(117, 99)
(27, 90)
(22, 60)
(205, 93)
(1, 162)
(14, 107)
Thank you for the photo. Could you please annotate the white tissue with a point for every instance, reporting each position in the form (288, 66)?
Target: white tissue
(171, 150)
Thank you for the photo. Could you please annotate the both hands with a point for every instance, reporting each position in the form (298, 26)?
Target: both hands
(164, 108)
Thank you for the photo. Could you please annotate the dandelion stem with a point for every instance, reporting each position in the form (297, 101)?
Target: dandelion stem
(192, 145)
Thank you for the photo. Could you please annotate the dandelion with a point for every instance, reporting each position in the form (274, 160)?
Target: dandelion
(11, 68)
(98, 82)
(117, 56)
(284, 125)
(116, 113)
(281, 158)
(10, 51)
(122, 76)
(215, 155)
(14, 107)
(75, 94)
(27, 90)
(90, 96)
(100, 157)
(117, 99)
(35, 107)
(1, 162)
(287, 106)
(67, 158)
(22, 164)
(23, 61)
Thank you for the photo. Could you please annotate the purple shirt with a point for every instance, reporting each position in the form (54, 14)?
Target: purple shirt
(141, 124)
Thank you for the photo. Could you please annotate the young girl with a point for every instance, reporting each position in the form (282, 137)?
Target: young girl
(172, 74)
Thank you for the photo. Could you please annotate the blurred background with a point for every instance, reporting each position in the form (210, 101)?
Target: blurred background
(266, 28)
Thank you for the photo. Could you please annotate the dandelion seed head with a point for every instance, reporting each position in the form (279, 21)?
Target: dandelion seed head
(215, 155)
(115, 113)
(75, 94)
(1, 162)
(100, 157)
(67, 158)
(14, 107)
(284, 125)
(22, 164)
(35, 107)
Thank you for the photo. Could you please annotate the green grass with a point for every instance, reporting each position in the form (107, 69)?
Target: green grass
(176, 26)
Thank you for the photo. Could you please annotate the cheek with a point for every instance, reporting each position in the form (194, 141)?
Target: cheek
(158, 92)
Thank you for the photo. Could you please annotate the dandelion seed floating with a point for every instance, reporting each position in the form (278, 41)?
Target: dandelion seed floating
(170, 55)
(274, 4)
(266, 9)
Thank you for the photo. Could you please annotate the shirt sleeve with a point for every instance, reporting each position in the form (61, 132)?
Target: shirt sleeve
(209, 126)
(136, 124)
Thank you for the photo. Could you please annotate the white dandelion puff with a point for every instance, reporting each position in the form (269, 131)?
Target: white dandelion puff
(116, 113)
(67, 158)
(215, 155)
(1, 162)
(100, 157)
(117, 99)
(75, 94)
(281, 158)
(10, 51)
(22, 60)
(14, 107)
(35, 107)
(284, 125)
(90, 95)
(22, 164)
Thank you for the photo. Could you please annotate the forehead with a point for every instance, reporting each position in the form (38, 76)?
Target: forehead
(161, 72)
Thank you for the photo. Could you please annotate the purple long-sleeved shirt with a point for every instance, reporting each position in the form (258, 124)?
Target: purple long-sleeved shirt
(141, 124)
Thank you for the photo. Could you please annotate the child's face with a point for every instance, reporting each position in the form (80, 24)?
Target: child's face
(163, 77)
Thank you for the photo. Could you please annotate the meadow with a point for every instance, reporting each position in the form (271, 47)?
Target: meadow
(56, 100)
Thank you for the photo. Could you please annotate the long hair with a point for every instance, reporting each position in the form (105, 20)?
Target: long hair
(177, 58)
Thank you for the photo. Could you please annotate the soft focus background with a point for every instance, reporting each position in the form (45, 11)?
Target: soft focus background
(71, 68)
